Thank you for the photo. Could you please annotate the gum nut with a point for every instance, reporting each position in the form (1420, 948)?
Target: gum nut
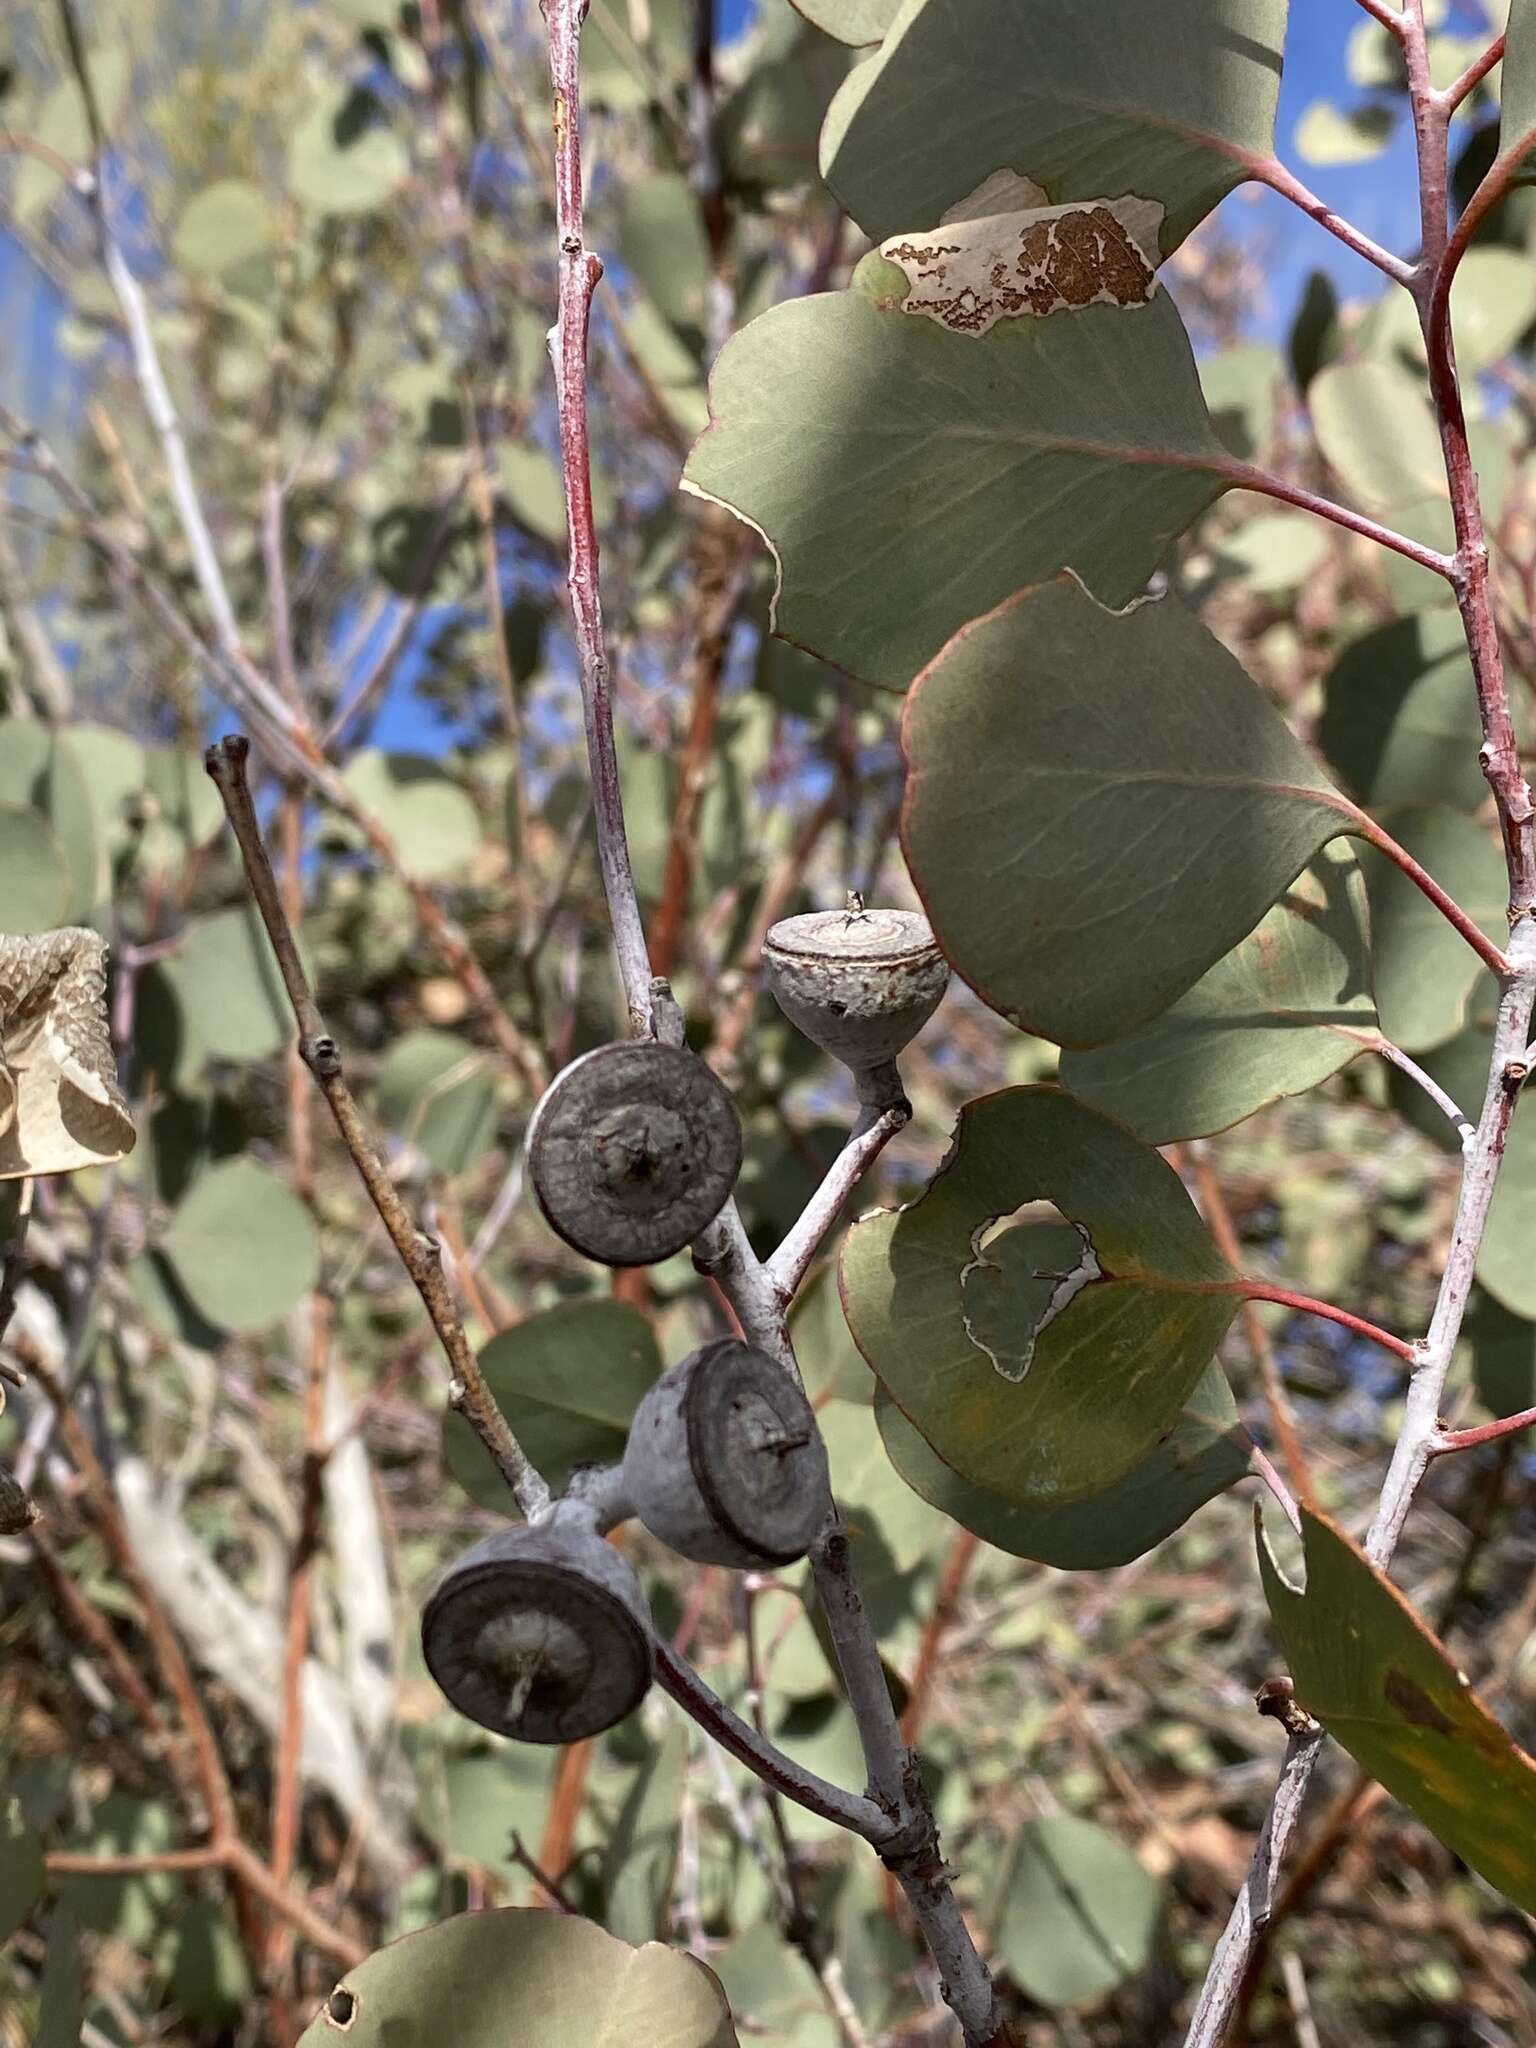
(725, 1463)
(540, 1633)
(633, 1150)
(860, 984)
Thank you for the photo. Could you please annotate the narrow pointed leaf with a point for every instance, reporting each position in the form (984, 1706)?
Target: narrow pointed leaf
(520, 1978)
(1098, 808)
(1204, 1453)
(1085, 101)
(1371, 1672)
(908, 478)
(1280, 1013)
(1041, 1369)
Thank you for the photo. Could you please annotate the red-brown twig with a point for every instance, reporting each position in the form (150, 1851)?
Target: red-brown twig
(1484, 1433)
(580, 270)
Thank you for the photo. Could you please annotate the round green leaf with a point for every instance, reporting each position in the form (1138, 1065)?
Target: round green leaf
(871, 1492)
(243, 1246)
(21, 1869)
(568, 1381)
(1505, 1265)
(223, 226)
(1399, 716)
(1330, 135)
(1078, 1912)
(662, 240)
(339, 163)
(40, 772)
(521, 1978)
(1374, 424)
(210, 1978)
(38, 884)
(1383, 1687)
(908, 478)
(474, 1805)
(851, 21)
(1275, 552)
(1042, 1382)
(772, 1988)
(1424, 969)
(1503, 1356)
(1205, 1452)
(227, 979)
(1241, 385)
(1279, 1014)
(1018, 82)
(1034, 729)
(439, 1093)
(1493, 302)
(433, 823)
(114, 771)
(187, 799)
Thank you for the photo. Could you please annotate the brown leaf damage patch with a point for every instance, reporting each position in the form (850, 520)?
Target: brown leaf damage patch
(1414, 1704)
(1002, 255)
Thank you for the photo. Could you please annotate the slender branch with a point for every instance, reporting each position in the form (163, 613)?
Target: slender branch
(579, 274)
(1268, 170)
(1306, 1304)
(725, 1254)
(1246, 476)
(1374, 834)
(1485, 1433)
(1388, 15)
(1431, 1087)
(787, 1267)
(1470, 79)
(231, 1855)
(1420, 1429)
(701, 1703)
(226, 763)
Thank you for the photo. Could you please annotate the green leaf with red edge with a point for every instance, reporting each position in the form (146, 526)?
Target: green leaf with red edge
(1367, 1667)
(1086, 101)
(1039, 1378)
(1099, 806)
(908, 478)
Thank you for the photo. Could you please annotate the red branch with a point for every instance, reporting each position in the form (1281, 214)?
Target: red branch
(1485, 1433)
(1307, 1305)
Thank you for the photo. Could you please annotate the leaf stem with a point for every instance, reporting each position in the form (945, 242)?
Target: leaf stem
(1375, 834)
(1268, 170)
(1264, 1469)
(1249, 477)
(1485, 1433)
(1405, 1064)
(1470, 79)
(1306, 1304)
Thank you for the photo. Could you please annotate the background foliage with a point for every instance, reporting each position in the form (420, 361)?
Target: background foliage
(340, 215)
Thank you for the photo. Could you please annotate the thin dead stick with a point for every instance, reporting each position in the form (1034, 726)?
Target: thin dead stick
(579, 274)
(1282, 1417)
(469, 1394)
(234, 1857)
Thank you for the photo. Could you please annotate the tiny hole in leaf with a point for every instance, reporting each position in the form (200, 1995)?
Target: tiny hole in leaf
(341, 2009)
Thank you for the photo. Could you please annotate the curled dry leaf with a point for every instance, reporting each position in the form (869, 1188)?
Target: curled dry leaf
(60, 1104)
